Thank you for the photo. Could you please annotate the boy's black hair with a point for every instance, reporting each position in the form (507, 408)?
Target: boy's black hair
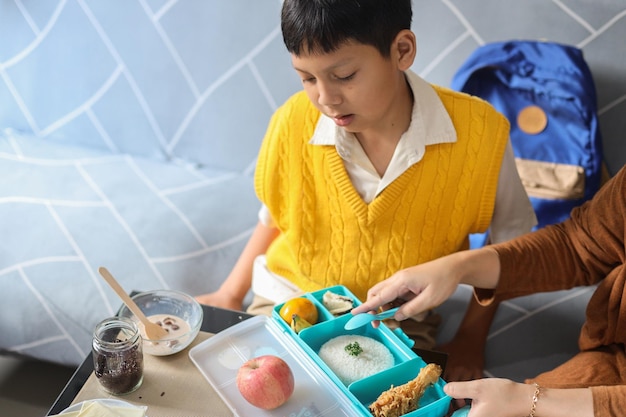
(322, 26)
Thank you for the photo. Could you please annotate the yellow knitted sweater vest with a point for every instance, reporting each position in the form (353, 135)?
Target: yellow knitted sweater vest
(330, 236)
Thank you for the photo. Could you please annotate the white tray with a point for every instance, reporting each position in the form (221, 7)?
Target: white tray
(219, 358)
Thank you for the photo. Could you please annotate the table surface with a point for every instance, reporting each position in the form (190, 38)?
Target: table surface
(214, 320)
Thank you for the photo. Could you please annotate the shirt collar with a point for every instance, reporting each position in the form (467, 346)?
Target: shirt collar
(430, 122)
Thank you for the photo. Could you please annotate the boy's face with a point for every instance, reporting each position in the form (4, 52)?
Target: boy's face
(356, 86)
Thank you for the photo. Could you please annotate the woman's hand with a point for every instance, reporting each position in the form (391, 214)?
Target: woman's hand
(418, 289)
(423, 287)
(495, 397)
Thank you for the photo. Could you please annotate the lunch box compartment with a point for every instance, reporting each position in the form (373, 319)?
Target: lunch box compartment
(315, 337)
(339, 290)
(317, 297)
(434, 402)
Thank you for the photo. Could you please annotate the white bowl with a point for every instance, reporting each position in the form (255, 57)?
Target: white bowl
(176, 305)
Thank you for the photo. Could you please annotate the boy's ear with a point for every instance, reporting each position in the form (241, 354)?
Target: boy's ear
(404, 49)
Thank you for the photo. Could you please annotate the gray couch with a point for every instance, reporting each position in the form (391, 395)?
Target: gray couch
(128, 136)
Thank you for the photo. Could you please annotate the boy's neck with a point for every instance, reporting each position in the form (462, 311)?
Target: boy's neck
(380, 145)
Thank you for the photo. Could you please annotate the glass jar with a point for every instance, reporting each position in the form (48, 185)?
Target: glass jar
(118, 355)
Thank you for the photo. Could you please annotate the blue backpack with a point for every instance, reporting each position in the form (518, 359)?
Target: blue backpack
(547, 92)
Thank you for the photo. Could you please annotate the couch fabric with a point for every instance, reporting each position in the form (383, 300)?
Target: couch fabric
(128, 136)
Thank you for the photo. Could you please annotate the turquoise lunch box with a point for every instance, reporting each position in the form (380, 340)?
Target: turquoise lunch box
(318, 390)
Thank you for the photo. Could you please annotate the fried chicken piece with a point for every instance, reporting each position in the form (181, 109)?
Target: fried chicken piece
(397, 401)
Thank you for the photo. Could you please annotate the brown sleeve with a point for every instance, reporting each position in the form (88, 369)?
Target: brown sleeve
(578, 252)
(484, 296)
(609, 401)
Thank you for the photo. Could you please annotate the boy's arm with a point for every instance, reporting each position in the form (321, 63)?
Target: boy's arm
(234, 289)
(513, 213)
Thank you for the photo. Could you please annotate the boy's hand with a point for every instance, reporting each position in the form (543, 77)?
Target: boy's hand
(220, 299)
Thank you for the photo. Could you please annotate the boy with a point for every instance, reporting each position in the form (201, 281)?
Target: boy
(370, 169)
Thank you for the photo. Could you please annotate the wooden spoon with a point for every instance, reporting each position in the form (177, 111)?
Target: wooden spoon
(153, 331)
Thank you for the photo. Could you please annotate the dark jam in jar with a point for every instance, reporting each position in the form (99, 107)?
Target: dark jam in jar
(118, 355)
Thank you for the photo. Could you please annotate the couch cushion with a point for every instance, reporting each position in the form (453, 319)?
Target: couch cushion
(67, 210)
(180, 80)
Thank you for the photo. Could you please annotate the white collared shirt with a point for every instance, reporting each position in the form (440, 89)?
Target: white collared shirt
(430, 124)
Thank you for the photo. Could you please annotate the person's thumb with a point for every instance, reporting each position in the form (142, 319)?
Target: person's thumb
(460, 390)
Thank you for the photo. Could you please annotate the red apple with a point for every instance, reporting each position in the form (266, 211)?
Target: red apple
(265, 382)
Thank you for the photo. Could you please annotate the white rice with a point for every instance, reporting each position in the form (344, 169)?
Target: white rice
(349, 368)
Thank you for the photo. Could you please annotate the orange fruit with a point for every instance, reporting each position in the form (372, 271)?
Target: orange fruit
(301, 306)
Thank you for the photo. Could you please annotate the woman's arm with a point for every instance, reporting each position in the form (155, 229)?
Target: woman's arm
(505, 398)
(426, 286)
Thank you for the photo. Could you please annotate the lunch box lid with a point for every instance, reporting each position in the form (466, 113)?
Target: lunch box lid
(219, 357)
